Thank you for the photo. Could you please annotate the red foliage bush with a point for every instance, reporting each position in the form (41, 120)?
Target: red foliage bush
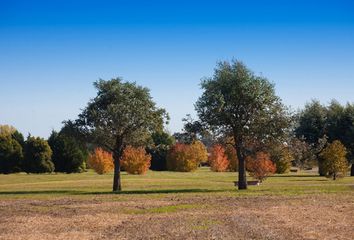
(217, 159)
(260, 166)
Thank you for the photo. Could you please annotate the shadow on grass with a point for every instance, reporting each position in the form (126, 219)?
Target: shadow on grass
(74, 192)
(294, 176)
(308, 180)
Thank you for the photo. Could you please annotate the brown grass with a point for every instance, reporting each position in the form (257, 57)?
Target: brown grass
(187, 217)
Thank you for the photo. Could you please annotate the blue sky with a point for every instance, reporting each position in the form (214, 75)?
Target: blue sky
(52, 51)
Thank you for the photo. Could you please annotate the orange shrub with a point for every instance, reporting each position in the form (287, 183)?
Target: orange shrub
(135, 160)
(217, 159)
(199, 151)
(260, 167)
(101, 161)
(182, 158)
(232, 157)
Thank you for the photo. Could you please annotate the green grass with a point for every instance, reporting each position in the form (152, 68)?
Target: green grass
(155, 184)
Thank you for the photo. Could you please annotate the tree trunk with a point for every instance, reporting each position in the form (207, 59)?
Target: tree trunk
(321, 170)
(352, 170)
(117, 154)
(242, 180)
(334, 176)
(117, 186)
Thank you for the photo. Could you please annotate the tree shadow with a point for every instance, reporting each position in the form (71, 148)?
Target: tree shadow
(294, 176)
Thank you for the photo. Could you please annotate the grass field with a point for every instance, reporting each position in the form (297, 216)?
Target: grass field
(168, 205)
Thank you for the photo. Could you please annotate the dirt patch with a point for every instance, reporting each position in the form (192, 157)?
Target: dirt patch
(180, 217)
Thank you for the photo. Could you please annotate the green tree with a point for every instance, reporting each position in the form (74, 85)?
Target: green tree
(244, 106)
(162, 142)
(37, 156)
(68, 155)
(312, 122)
(121, 114)
(10, 155)
(335, 161)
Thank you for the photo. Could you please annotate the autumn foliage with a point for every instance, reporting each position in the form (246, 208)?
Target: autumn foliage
(101, 161)
(186, 157)
(232, 157)
(260, 166)
(335, 163)
(199, 152)
(218, 159)
(135, 160)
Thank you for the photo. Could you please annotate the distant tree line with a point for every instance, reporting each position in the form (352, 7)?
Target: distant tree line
(61, 153)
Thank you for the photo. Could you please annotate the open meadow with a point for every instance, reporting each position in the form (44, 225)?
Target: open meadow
(171, 205)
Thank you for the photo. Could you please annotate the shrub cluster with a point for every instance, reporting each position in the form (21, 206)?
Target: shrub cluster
(260, 166)
(135, 160)
(335, 163)
(186, 157)
(218, 160)
(222, 158)
(101, 161)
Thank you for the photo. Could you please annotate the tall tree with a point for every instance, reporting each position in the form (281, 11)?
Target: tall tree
(244, 106)
(121, 114)
(312, 122)
(10, 155)
(11, 149)
(37, 156)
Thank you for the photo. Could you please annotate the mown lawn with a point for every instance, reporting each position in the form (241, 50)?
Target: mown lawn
(171, 205)
(202, 181)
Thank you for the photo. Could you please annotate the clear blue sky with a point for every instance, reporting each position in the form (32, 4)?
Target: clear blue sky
(52, 51)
